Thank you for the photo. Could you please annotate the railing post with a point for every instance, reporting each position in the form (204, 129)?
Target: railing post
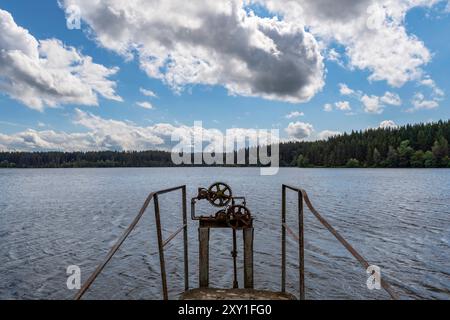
(161, 248)
(301, 247)
(185, 241)
(283, 239)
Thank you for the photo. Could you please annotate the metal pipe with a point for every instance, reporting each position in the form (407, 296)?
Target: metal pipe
(291, 232)
(114, 249)
(161, 248)
(185, 240)
(234, 255)
(347, 245)
(301, 248)
(386, 286)
(173, 235)
(124, 236)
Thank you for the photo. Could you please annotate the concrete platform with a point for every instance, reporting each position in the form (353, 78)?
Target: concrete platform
(234, 294)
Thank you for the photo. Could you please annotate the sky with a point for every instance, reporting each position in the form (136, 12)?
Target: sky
(125, 75)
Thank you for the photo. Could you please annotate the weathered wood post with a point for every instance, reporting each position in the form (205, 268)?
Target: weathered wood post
(203, 254)
(248, 234)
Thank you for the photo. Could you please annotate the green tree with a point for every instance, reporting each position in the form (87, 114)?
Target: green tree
(376, 157)
(446, 162)
(392, 158)
(302, 161)
(404, 154)
(417, 159)
(352, 163)
(422, 140)
(428, 160)
(440, 151)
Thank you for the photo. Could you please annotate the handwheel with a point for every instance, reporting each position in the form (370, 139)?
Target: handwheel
(239, 216)
(219, 194)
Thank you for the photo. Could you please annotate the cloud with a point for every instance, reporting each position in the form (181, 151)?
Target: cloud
(372, 104)
(109, 134)
(343, 105)
(372, 32)
(392, 99)
(299, 130)
(340, 105)
(328, 107)
(326, 134)
(376, 104)
(419, 102)
(435, 96)
(46, 73)
(144, 104)
(294, 114)
(345, 90)
(148, 93)
(386, 124)
(436, 92)
(210, 43)
(335, 56)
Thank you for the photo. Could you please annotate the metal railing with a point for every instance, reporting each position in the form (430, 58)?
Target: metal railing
(303, 196)
(161, 243)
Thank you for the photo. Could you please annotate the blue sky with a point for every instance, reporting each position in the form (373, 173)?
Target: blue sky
(420, 97)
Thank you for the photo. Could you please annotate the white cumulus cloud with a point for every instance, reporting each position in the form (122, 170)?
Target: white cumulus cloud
(294, 114)
(345, 90)
(372, 32)
(144, 104)
(376, 104)
(420, 102)
(386, 124)
(108, 134)
(211, 43)
(343, 105)
(148, 93)
(326, 134)
(392, 99)
(299, 130)
(41, 73)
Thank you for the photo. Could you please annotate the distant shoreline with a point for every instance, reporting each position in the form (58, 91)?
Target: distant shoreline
(226, 167)
(424, 145)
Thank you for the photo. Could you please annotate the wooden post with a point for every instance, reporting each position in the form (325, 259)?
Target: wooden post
(203, 237)
(248, 257)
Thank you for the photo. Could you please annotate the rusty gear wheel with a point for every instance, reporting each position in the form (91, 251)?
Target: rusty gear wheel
(221, 215)
(239, 216)
(219, 194)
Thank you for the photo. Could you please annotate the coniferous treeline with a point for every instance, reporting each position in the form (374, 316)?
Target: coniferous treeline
(420, 146)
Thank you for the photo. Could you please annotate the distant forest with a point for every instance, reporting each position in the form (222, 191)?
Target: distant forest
(418, 146)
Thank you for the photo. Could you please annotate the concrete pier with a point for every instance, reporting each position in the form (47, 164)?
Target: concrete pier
(234, 294)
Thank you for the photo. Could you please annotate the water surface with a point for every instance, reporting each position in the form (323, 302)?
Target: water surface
(52, 218)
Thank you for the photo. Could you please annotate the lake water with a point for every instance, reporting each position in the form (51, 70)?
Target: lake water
(53, 218)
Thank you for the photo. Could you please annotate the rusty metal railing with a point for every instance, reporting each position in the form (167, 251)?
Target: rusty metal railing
(161, 243)
(302, 195)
